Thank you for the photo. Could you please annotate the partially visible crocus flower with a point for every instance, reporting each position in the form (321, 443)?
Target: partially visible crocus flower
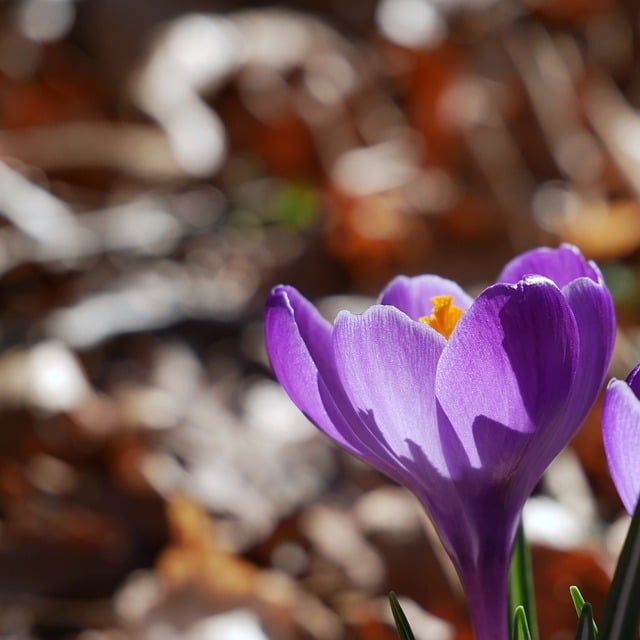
(621, 436)
(464, 402)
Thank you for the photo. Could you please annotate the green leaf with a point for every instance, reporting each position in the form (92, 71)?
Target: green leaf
(402, 624)
(621, 613)
(521, 592)
(579, 603)
(585, 628)
(520, 625)
(578, 600)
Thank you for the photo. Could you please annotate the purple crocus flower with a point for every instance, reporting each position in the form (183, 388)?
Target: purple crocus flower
(621, 436)
(464, 402)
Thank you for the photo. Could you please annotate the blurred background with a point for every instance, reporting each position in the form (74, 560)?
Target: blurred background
(162, 165)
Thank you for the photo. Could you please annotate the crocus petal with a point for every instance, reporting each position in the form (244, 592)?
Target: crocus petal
(413, 295)
(621, 437)
(503, 392)
(593, 310)
(387, 364)
(633, 380)
(583, 285)
(298, 340)
(562, 265)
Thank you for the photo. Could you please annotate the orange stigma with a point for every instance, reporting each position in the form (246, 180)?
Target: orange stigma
(445, 315)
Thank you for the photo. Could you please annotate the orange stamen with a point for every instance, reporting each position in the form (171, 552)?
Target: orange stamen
(445, 315)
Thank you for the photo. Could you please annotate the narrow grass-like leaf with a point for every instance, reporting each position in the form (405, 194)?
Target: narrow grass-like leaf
(521, 592)
(402, 624)
(584, 630)
(520, 625)
(621, 613)
(578, 600)
(578, 603)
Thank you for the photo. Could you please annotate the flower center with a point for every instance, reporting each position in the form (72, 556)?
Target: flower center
(445, 315)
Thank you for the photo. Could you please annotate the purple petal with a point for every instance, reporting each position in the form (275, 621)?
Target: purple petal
(621, 437)
(593, 310)
(633, 380)
(387, 366)
(298, 341)
(504, 377)
(413, 295)
(562, 265)
(587, 295)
